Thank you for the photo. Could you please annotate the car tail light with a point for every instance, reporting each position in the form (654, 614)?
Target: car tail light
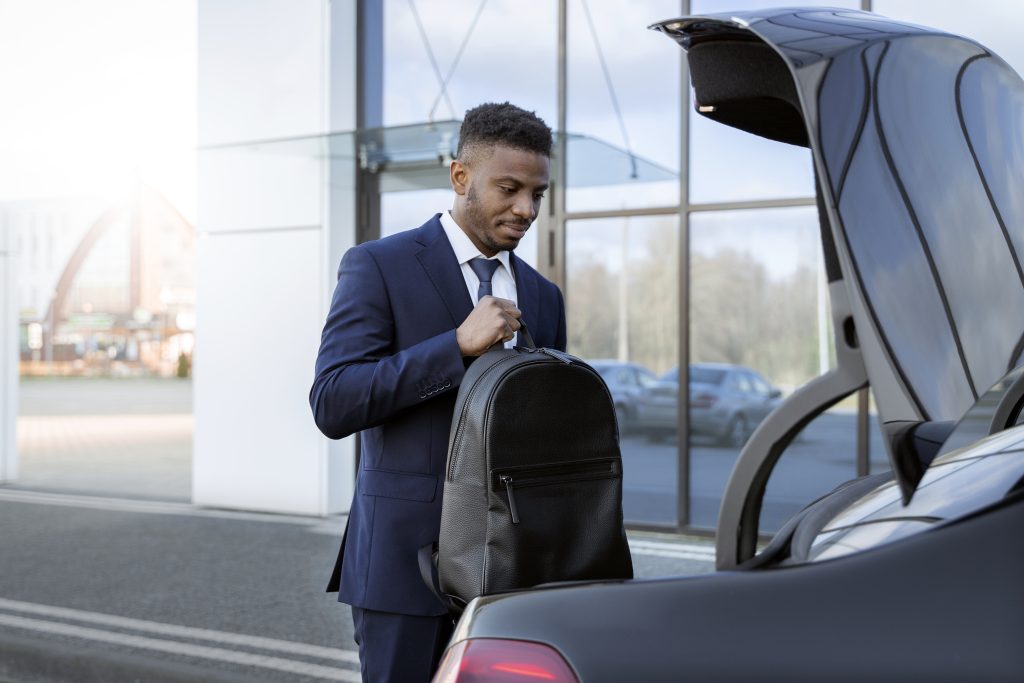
(503, 661)
(702, 401)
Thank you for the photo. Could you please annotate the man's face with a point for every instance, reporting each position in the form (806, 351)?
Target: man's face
(498, 194)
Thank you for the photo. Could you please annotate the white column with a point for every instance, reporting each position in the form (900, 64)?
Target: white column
(267, 256)
(8, 356)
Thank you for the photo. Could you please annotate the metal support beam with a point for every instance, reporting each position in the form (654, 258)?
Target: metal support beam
(369, 109)
(551, 250)
(623, 213)
(683, 441)
(754, 204)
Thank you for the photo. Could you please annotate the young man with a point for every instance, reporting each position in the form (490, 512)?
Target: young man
(408, 315)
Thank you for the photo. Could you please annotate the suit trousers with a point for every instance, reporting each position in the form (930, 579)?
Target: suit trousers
(399, 648)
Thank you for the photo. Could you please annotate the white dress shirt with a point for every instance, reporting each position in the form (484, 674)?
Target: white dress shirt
(503, 282)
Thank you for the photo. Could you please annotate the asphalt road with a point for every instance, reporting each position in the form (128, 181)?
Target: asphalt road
(107, 573)
(96, 589)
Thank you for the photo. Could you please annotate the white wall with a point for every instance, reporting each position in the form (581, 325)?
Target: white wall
(8, 356)
(268, 253)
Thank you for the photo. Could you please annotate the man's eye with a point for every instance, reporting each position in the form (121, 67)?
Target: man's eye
(507, 190)
(539, 196)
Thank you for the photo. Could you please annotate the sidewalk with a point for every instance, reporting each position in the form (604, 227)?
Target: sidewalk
(105, 589)
(116, 437)
(108, 573)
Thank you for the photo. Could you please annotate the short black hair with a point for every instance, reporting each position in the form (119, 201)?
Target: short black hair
(505, 124)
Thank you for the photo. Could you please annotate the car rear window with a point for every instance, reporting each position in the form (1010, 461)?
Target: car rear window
(706, 375)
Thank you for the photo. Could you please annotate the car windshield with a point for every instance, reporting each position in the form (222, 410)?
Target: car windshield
(699, 375)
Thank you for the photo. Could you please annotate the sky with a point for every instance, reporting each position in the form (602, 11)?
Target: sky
(97, 93)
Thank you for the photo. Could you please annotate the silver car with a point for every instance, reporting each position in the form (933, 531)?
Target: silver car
(726, 403)
(626, 383)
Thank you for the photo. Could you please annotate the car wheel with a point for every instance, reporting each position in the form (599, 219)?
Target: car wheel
(737, 433)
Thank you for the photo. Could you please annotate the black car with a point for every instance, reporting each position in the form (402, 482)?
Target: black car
(917, 138)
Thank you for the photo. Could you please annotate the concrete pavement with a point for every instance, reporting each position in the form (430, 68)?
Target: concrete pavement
(108, 573)
(114, 437)
(109, 589)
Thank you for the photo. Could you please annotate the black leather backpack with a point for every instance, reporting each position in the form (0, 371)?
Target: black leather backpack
(533, 488)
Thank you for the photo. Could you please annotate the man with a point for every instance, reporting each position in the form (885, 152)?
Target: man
(408, 315)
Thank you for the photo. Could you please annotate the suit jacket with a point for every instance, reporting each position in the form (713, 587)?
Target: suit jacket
(389, 367)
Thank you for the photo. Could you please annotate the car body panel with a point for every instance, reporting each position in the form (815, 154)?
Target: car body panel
(921, 188)
(887, 614)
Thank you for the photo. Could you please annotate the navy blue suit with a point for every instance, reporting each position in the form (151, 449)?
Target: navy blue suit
(389, 367)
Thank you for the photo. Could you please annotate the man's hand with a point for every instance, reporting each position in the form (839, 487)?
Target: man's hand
(493, 320)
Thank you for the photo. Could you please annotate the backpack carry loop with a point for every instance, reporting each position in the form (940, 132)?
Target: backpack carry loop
(525, 338)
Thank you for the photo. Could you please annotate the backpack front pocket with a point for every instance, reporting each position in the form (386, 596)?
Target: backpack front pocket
(559, 521)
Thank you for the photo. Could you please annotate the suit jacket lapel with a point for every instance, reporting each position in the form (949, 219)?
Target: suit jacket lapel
(438, 260)
(528, 295)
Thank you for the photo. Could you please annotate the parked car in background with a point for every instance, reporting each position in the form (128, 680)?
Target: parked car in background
(915, 574)
(626, 382)
(726, 403)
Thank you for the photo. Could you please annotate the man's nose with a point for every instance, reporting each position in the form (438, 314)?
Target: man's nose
(524, 207)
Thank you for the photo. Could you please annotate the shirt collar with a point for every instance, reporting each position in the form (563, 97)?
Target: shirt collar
(463, 247)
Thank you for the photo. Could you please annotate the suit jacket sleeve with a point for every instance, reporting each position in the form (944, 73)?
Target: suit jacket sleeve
(561, 338)
(361, 379)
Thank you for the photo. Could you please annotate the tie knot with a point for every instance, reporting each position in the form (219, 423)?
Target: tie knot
(484, 268)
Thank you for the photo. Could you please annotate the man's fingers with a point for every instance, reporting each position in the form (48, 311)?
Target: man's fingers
(508, 306)
(514, 325)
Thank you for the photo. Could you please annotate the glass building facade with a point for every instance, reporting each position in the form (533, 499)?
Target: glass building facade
(685, 249)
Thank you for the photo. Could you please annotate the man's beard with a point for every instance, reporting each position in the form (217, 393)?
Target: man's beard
(480, 224)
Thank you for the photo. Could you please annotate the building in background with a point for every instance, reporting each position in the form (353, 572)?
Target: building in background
(103, 290)
(325, 123)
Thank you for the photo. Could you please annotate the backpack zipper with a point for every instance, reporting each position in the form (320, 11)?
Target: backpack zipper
(507, 480)
(544, 475)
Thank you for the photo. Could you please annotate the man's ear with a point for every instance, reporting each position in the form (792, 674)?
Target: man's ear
(459, 177)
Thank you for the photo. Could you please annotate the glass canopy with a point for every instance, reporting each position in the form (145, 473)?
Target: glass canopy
(419, 146)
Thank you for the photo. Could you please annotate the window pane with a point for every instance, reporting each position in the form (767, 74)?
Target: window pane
(759, 314)
(727, 164)
(643, 69)
(511, 54)
(622, 298)
(401, 211)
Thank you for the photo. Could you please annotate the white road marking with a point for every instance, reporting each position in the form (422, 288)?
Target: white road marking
(185, 649)
(685, 551)
(696, 557)
(224, 637)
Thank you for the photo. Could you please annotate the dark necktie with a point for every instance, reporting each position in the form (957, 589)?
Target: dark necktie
(484, 269)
